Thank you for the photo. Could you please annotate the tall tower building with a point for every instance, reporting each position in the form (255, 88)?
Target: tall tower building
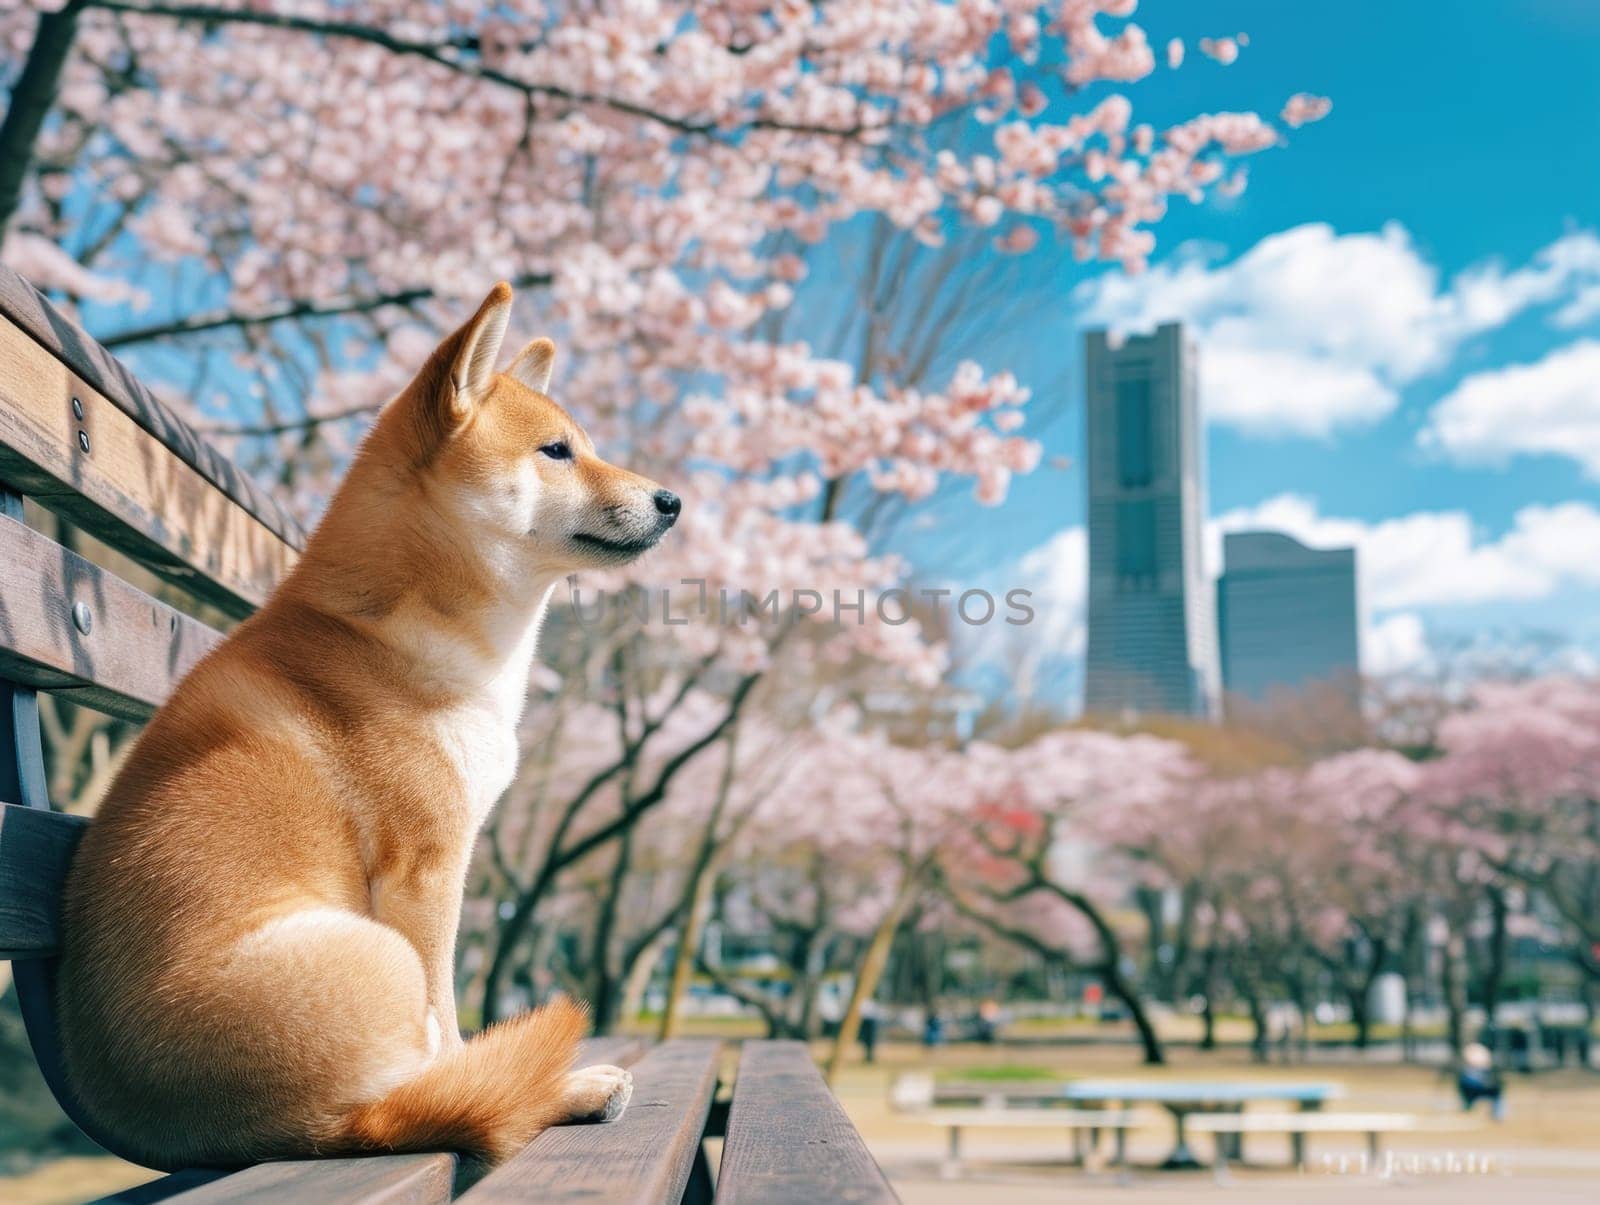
(1286, 616)
(1152, 623)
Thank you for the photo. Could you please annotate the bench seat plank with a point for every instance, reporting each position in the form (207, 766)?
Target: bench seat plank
(646, 1156)
(789, 1141)
(127, 663)
(390, 1180)
(35, 850)
(378, 1180)
(618, 1051)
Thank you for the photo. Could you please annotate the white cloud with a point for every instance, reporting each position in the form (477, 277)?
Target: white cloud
(1422, 560)
(1583, 308)
(1436, 558)
(1310, 330)
(1551, 406)
(1394, 644)
(1056, 575)
(1057, 572)
(1033, 655)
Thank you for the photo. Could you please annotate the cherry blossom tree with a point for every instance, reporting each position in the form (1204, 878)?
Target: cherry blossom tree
(1356, 800)
(1043, 868)
(275, 210)
(1518, 786)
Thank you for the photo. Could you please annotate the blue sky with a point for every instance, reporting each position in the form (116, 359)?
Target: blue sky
(1391, 260)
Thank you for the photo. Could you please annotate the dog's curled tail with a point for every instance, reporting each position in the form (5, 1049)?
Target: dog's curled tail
(488, 1099)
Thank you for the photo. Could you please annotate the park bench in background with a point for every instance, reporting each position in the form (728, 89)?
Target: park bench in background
(963, 1106)
(1083, 1125)
(1297, 1126)
(82, 437)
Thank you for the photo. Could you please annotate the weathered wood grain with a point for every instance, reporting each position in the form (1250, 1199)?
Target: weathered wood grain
(68, 342)
(134, 653)
(380, 1180)
(619, 1052)
(35, 850)
(789, 1142)
(646, 1156)
(109, 475)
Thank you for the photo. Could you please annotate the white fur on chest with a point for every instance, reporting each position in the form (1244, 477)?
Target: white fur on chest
(479, 739)
(478, 733)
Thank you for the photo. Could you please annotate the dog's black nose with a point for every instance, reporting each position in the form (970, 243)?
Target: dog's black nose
(668, 504)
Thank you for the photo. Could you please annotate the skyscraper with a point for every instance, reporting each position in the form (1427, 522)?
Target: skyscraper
(1286, 615)
(1152, 624)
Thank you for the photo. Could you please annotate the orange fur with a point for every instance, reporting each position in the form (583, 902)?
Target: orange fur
(260, 925)
(476, 1099)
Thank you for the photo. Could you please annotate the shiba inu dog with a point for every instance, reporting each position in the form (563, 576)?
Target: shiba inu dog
(260, 925)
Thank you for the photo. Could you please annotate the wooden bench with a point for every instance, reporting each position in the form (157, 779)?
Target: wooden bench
(1297, 1126)
(81, 436)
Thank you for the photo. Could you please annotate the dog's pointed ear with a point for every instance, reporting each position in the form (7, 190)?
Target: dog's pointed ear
(534, 364)
(473, 352)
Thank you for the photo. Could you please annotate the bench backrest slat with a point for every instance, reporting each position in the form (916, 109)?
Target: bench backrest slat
(35, 849)
(134, 651)
(789, 1142)
(646, 1157)
(147, 484)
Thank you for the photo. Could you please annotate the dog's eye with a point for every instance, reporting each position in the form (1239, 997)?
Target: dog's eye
(560, 450)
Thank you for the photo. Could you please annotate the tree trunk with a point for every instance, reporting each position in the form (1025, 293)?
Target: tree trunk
(1149, 903)
(870, 970)
(1183, 942)
(1259, 1038)
(1452, 971)
(31, 101)
(687, 947)
(696, 902)
(1208, 997)
(504, 946)
(1495, 973)
(1118, 985)
(1300, 993)
(1360, 1014)
(637, 979)
(605, 996)
(804, 1014)
(1116, 982)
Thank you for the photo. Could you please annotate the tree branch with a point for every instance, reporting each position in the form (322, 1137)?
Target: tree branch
(31, 101)
(229, 320)
(441, 54)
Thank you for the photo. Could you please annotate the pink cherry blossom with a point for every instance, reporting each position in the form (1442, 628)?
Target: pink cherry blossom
(1303, 108)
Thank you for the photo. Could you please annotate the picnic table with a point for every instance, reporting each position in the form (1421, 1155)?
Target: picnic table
(1180, 1098)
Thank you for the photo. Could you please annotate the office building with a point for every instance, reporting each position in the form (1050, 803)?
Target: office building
(1286, 616)
(1152, 622)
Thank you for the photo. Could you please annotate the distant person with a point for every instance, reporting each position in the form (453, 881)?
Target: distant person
(989, 1021)
(933, 1029)
(1478, 1080)
(867, 1035)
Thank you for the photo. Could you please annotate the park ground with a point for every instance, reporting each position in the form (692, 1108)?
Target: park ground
(1548, 1148)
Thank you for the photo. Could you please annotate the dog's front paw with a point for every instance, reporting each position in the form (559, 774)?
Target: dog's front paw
(598, 1093)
